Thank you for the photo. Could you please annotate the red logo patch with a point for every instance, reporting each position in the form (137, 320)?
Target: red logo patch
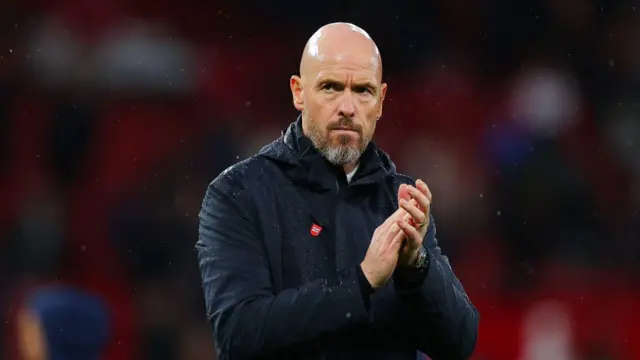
(315, 230)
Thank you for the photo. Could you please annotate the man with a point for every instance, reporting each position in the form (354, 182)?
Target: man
(315, 248)
(62, 324)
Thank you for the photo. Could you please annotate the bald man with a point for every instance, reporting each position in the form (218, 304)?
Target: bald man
(316, 248)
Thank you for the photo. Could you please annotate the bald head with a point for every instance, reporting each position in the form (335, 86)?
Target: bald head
(336, 41)
(339, 92)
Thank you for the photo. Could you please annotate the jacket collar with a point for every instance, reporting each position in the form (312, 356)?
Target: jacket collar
(305, 164)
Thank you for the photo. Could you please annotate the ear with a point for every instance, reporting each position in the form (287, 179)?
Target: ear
(295, 83)
(383, 93)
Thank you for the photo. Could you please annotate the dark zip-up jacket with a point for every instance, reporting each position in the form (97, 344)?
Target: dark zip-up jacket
(281, 238)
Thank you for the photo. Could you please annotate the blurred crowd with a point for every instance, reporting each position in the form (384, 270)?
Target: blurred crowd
(522, 116)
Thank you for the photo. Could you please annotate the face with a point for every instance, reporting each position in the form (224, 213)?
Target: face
(341, 100)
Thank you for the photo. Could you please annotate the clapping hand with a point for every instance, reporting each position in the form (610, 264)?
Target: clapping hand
(416, 203)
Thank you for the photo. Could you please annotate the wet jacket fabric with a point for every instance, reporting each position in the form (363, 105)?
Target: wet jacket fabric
(281, 238)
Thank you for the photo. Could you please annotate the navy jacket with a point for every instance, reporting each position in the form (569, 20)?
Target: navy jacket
(282, 235)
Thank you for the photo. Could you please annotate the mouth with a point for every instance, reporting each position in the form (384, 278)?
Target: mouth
(344, 130)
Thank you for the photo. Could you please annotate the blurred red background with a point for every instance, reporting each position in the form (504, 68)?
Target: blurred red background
(521, 116)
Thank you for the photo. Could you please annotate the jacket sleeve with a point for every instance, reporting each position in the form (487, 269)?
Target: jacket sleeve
(444, 322)
(250, 320)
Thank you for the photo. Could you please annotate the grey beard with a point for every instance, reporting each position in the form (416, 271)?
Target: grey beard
(341, 155)
(337, 155)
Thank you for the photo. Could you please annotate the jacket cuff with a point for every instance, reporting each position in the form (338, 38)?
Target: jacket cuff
(408, 280)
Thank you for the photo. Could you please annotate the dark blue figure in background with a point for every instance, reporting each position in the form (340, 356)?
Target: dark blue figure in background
(61, 323)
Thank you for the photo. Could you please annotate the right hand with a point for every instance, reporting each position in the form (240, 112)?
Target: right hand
(382, 256)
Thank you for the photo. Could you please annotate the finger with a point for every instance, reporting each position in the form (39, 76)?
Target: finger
(422, 186)
(403, 192)
(420, 198)
(411, 233)
(398, 215)
(399, 239)
(407, 217)
(417, 215)
(403, 239)
(384, 227)
(426, 216)
(393, 231)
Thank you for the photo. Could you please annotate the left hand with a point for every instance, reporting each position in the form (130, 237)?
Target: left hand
(416, 201)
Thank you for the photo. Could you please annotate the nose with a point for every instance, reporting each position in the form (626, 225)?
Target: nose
(346, 107)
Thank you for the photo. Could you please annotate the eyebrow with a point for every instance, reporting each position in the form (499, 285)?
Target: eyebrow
(365, 83)
(368, 84)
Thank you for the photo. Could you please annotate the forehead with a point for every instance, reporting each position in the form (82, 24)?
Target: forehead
(342, 65)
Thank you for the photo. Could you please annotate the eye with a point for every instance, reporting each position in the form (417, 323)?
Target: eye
(330, 87)
(362, 90)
